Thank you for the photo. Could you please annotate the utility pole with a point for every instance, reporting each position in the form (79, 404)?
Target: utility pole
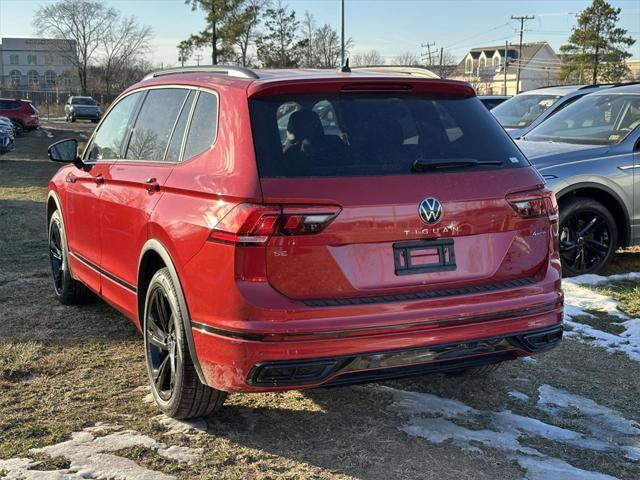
(522, 19)
(428, 54)
(198, 58)
(342, 40)
(441, 58)
(504, 70)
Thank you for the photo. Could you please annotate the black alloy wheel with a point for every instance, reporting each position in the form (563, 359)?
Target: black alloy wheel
(56, 257)
(588, 236)
(161, 343)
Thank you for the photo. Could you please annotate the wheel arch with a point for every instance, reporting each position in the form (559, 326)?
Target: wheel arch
(154, 255)
(609, 198)
(53, 204)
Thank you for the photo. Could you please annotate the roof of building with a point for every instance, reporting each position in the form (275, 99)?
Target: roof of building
(529, 50)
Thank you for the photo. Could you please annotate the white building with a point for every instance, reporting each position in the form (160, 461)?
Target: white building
(484, 68)
(37, 64)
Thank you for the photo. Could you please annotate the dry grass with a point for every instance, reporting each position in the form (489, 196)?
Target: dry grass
(627, 293)
(18, 360)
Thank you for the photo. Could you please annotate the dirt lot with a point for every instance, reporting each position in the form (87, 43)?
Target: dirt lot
(73, 401)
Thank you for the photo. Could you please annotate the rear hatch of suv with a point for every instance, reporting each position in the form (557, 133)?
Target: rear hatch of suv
(381, 190)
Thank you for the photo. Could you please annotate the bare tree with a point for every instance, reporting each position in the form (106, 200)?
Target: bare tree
(308, 31)
(326, 45)
(82, 24)
(368, 58)
(406, 58)
(125, 42)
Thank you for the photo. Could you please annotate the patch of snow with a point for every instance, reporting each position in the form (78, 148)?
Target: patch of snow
(94, 457)
(523, 397)
(180, 454)
(554, 468)
(579, 298)
(173, 426)
(439, 420)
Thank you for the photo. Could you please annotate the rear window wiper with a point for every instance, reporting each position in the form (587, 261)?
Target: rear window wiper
(422, 164)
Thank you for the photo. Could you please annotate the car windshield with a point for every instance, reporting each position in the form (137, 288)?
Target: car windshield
(592, 120)
(83, 101)
(522, 110)
(376, 134)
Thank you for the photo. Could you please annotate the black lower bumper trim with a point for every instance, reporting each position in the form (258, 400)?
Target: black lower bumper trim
(374, 366)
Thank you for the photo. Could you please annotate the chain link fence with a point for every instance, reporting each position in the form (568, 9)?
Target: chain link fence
(50, 103)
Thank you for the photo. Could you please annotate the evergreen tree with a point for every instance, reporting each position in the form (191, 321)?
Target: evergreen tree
(597, 47)
(278, 46)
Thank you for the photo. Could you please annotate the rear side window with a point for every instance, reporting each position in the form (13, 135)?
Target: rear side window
(374, 134)
(173, 152)
(108, 141)
(155, 123)
(9, 104)
(203, 127)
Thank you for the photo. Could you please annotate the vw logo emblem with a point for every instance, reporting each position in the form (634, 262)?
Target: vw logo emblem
(430, 210)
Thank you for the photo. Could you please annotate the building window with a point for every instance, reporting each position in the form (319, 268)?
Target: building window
(48, 59)
(496, 62)
(468, 68)
(15, 77)
(14, 60)
(66, 61)
(50, 77)
(32, 60)
(482, 64)
(32, 77)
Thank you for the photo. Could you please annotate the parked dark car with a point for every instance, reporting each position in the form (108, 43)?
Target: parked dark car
(85, 108)
(7, 136)
(589, 153)
(492, 101)
(22, 113)
(394, 230)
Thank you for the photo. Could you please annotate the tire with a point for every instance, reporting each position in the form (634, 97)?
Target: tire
(175, 385)
(94, 121)
(67, 290)
(18, 128)
(73, 119)
(588, 236)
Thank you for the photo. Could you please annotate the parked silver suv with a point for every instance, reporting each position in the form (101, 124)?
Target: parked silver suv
(589, 153)
(82, 108)
(522, 113)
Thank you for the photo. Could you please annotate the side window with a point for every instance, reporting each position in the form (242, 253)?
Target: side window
(328, 117)
(154, 124)
(173, 152)
(107, 143)
(203, 127)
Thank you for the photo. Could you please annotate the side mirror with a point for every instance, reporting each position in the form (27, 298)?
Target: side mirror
(65, 151)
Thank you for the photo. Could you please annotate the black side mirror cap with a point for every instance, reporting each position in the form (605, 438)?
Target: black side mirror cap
(65, 151)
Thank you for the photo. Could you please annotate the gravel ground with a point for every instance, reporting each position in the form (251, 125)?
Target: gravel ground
(74, 402)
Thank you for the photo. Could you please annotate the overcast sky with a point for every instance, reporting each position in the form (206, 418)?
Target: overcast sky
(390, 26)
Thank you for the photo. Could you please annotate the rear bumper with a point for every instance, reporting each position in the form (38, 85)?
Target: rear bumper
(254, 364)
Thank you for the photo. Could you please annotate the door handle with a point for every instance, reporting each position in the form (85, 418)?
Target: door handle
(99, 179)
(152, 185)
(628, 167)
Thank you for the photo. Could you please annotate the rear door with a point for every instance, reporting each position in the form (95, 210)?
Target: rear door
(135, 186)
(402, 225)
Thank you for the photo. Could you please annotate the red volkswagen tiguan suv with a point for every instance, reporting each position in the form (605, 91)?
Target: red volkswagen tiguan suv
(287, 229)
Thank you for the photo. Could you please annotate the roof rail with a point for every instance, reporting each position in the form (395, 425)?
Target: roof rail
(230, 70)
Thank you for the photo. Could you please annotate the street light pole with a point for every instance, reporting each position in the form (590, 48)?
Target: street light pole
(342, 42)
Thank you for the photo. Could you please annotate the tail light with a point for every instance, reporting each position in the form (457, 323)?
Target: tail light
(535, 203)
(250, 227)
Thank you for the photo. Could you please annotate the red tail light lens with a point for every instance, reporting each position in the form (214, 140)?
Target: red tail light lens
(249, 227)
(536, 203)
(249, 224)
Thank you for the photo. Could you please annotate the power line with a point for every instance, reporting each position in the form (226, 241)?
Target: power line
(522, 19)
(428, 46)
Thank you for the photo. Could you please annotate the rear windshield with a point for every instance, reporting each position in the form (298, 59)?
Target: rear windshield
(520, 111)
(83, 101)
(365, 134)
